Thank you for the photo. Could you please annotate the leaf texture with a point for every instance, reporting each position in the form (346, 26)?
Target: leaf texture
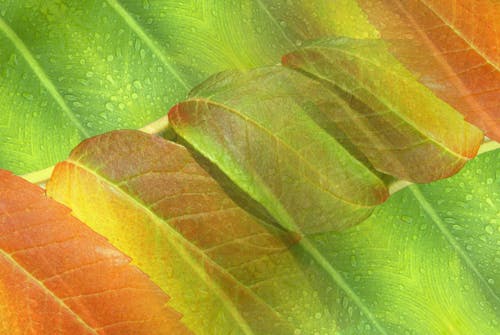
(452, 46)
(70, 70)
(227, 271)
(425, 262)
(421, 264)
(257, 127)
(401, 127)
(59, 277)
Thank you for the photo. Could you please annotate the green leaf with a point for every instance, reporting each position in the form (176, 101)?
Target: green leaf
(69, 70)
(400, 125)
(426, 262)
(452, 47)
(259, 129)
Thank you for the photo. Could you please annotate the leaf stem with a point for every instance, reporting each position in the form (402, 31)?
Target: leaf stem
(156, 127)
(159, 126)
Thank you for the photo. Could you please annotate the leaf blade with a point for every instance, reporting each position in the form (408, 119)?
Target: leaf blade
(385, 112)
(453, 49)
(61, 274)
(256, 127)
(185, 232)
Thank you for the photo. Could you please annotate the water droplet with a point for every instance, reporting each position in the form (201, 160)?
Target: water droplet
(317, 316)
(110, 107)
(489, 229)
(137, 84)
(28, 96)
(406, 219)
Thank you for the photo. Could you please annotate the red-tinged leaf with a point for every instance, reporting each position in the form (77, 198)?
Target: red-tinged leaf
(260, 127)
(59, 277)
(228, 270)
(453, 46)
(399, 124)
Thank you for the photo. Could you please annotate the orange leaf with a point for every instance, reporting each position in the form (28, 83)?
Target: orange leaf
(59, 277)
(453, 47)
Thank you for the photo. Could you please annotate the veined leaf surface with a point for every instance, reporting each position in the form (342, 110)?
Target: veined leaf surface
(399, 124)
(72, 69)
(227, 271)
(257, 127)
(426, 261)
(452, 46)
(421, 264)
(59, 277)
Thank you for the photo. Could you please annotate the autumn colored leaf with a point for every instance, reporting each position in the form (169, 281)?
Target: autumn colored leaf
(453, 48)
(257, 127)
(59, 277)
(401, 127)
(421, 264)
(73, 69)
(228, 271)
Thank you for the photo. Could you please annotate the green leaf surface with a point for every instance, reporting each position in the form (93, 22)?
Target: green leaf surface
(400, 125)
(259, 129)
(72, 69)
(426, 262)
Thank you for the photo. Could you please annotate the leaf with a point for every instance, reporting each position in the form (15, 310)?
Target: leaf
(401, 127)
(257, 128)
(72, 70)
(453, 48)
(59, 277)
(228, 271)
(425, 262)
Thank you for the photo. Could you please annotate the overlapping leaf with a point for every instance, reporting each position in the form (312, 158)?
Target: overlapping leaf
(452, 46)
(71, 69)
(227, 271)
(401, 127)
(425, 262)
(259, 128)
(59, 277)
(421, 264)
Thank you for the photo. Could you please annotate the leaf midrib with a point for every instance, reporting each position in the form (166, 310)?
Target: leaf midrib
(340, 281)
(41, 74)
(48, 292)
(174, 234)
(434, 216)
(150, 42)
(459, 33)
